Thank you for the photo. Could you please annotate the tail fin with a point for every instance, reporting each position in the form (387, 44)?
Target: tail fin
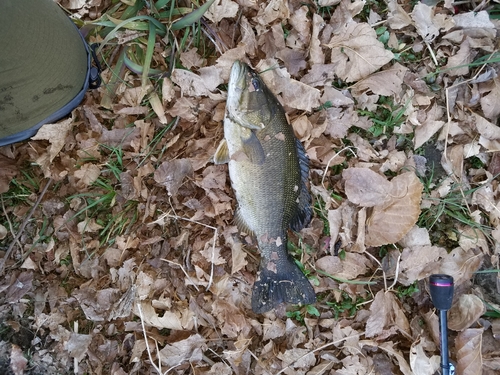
(288, 285)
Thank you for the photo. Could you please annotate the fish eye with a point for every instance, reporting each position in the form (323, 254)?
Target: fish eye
(256, 84)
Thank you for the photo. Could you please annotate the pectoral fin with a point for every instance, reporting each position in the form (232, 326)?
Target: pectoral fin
(253, 149)
(222, 153)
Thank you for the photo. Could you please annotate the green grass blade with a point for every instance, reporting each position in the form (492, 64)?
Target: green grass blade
(192, 17)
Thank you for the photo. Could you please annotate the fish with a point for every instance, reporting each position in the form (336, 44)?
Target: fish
(269, 171)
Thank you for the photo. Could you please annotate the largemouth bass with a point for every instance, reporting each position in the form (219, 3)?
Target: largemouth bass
(268, 168)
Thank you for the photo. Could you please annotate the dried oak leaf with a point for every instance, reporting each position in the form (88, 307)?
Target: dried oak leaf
(190, 349)
(171, 173)
(468, 351)
(387, 82)
(387, 316)
(465, 312)
(390, 221)
(348, 268)
(88, 173)
(357, 52)
(222, 9)
(56, 134)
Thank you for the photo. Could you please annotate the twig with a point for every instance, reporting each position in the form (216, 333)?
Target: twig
(147, 345)
(183, 270)
(210, 281)
(11, 227)
(331, 159)
(23, 226)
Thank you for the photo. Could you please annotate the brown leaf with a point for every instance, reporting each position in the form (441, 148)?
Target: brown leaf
(458, 64)
(365, 187)
(468, 351)
(357, 52)
(489, 103)
(390, 221)
(387, 82)
(88, 173)
(419, 362)
(386, 316)
(221, 9)
(172, 173)
(347, 269)
(8, 169)
(17, 360)
(423, 16)
(465, 312)
(56, 134)
(190, 349)
(397, 18)
(77, 345)
(419, 262)
(430, 126)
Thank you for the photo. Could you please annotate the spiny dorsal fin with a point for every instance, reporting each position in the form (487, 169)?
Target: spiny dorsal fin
(222, 153)
(304, 210)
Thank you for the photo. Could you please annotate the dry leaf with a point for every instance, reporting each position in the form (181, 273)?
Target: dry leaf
(8, 169)
(77, 345)
(348, 268)
(365, 187)
(56, 134)
(357, 52)
(397, 18)
(88, 173)
(172, 173)
(17, 360)
(423, 16)
(275, 9)
(489, 103)
(386, 316)
(420, 363)
(430, 126)
(419, 262)
(387, 82)
(468, 352)
(391, 220)
(465, 312)
(190, 349)
(179, 320)
(474, 20)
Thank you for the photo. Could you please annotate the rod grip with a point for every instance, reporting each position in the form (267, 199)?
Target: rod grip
(441, 289)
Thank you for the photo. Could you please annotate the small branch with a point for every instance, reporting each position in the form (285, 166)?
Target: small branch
(23, 226)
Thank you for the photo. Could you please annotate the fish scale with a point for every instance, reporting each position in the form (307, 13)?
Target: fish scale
(268, 169)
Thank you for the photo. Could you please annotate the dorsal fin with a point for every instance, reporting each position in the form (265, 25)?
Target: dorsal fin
(304, 210)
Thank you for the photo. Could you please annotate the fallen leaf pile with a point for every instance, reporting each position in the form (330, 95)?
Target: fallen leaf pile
(130, 263)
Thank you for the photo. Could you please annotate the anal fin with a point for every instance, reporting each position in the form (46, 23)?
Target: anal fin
(221, 155)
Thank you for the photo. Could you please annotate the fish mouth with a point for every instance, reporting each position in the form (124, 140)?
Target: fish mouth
(237, 78)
